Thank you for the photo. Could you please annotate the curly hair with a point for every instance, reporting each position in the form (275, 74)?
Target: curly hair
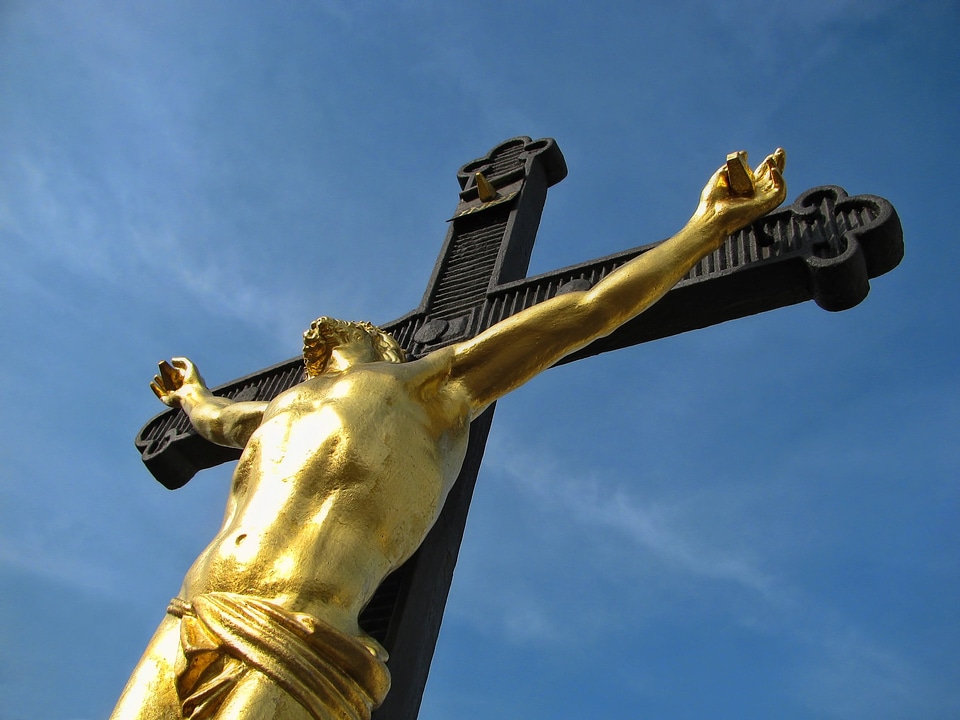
(326, 333)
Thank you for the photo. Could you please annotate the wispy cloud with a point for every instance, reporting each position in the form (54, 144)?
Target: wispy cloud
(553, 536)
(661, 528)
(850, 675)
(671, 550)
(61, 217)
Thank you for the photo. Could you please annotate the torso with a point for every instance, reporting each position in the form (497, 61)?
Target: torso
(336, 488)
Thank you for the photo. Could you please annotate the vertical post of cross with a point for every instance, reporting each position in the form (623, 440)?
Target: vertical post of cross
(489, 243)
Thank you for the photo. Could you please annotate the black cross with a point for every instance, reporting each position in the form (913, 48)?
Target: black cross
(824, 247)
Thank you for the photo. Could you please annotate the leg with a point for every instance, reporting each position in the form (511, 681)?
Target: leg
(257, 697)
(150, 693)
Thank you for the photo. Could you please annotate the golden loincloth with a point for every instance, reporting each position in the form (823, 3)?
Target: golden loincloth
(223, 636)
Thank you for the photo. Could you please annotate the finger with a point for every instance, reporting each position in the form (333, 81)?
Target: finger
(775, 161)
(722, 179)
(181, 363)
(156, 389)
(764, 175)
(776, 187)
(780, 155)
(779, 183)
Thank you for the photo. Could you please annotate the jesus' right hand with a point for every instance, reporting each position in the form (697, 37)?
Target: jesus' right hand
(175, 381)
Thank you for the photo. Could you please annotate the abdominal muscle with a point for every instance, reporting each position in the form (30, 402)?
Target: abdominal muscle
(319, 514)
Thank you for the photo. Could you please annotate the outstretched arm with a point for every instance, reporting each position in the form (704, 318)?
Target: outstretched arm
(218, 419)
(511, 352)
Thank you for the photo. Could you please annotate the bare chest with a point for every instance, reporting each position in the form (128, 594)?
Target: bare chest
(366, 425)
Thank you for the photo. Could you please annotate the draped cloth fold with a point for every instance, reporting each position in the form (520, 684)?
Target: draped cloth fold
(223, 636)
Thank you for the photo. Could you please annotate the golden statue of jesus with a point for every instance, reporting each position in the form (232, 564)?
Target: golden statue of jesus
(343, 475)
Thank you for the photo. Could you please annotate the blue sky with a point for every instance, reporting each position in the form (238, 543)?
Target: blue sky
(756, 520)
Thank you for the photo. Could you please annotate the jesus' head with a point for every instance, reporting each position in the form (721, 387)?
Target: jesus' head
(325, 334)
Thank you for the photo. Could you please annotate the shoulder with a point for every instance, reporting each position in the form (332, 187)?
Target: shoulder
(433, 378)
(434, 368)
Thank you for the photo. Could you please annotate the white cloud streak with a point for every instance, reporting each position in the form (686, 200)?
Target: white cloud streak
(842, 672)
(656, 527)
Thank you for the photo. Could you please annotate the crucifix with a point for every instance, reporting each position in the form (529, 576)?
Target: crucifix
(467, 344)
